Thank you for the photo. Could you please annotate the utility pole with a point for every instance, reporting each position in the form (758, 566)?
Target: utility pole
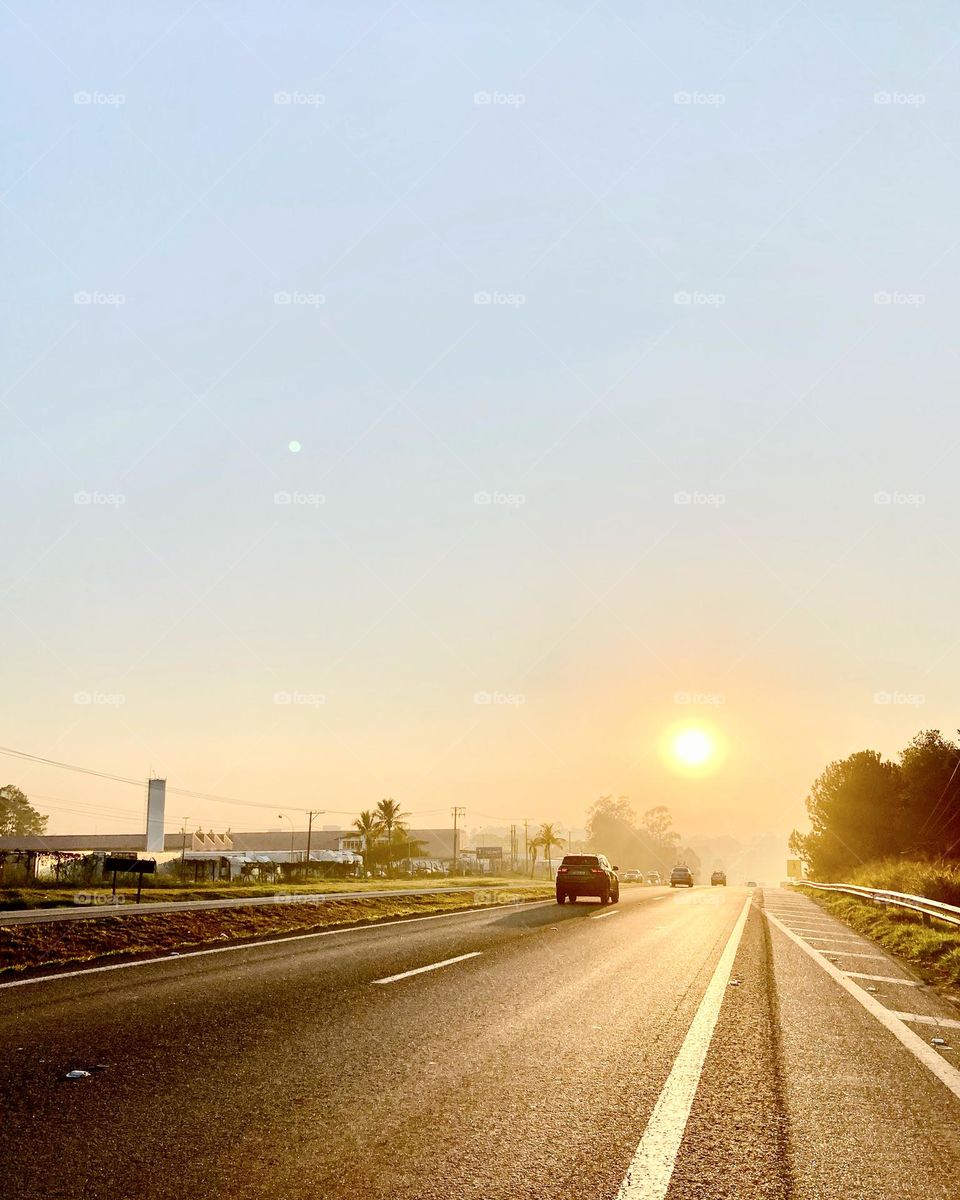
(457, 812)
(513, 848)
(310, 815)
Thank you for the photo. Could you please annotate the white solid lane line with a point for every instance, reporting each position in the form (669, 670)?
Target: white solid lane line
(446, 962)
(649, 1173)
(883, 979)
(944, 1071)
(610, 913)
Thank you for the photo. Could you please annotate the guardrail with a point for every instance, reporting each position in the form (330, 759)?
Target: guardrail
(927, 909)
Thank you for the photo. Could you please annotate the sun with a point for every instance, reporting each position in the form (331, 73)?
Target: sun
(692, 749)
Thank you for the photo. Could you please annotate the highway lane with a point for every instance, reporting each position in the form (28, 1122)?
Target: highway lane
(529, 1065)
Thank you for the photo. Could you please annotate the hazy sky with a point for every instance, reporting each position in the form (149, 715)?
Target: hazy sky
(174, 171)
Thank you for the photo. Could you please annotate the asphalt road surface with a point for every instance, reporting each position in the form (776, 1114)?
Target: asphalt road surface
(704, 1044)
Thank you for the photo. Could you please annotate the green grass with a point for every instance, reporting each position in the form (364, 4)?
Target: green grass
(65, 895)
(933, 950)
(936, 881)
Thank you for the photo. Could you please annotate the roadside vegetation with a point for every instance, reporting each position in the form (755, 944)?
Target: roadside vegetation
(864, 809)
(933, 950)
(50, 894)
(66, 943)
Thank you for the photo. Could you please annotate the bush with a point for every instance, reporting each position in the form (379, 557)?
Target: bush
(936, 881)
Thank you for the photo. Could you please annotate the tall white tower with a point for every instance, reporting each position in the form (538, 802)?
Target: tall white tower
(156, 801)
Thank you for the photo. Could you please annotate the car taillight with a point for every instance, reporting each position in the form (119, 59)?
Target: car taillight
(562, 871)
(597, 871)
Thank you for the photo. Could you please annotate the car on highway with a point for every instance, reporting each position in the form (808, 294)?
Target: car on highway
(653, 878)
(751, 883)
(632, 875)
(681, 876)
(718, 879)
(587, 875)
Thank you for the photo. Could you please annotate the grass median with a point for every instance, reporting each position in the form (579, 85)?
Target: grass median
(934, 950)
(50, 895)
(106, 938)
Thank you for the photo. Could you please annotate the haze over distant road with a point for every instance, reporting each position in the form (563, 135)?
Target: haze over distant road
(681, 1044)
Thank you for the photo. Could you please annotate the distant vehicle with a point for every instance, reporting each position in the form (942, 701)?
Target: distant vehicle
(632, 875)
(718, 879)
(653, 877)
(751, 883)
(681, 877)
(587, 875)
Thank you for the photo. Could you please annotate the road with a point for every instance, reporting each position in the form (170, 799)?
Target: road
(704, 1044)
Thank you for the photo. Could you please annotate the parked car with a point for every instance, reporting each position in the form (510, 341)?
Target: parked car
(681, 877)
(653, 878)
(587, 875)
(632, 875)
(718, 879)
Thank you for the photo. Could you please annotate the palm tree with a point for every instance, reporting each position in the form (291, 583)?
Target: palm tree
(370, 827)
(391, 818)
(534, 845)
(548, 838)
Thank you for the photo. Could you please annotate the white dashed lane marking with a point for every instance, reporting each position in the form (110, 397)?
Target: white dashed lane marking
(446, 962)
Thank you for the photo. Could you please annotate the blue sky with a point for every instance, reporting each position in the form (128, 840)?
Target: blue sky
(542, 155)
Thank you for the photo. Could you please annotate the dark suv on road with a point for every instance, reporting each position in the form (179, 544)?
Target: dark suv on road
(587, 875)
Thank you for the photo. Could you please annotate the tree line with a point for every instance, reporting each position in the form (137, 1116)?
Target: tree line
(865, 807)
(648, 843)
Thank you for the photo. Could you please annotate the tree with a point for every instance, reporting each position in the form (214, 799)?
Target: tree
(613, 829)
(930, 784)
(534, 845)
(370, 827)
(856, 812)
(548, 838)
(18, 817)
(391, 818)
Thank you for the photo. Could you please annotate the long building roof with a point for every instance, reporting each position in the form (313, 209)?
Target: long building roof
(435, 843)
